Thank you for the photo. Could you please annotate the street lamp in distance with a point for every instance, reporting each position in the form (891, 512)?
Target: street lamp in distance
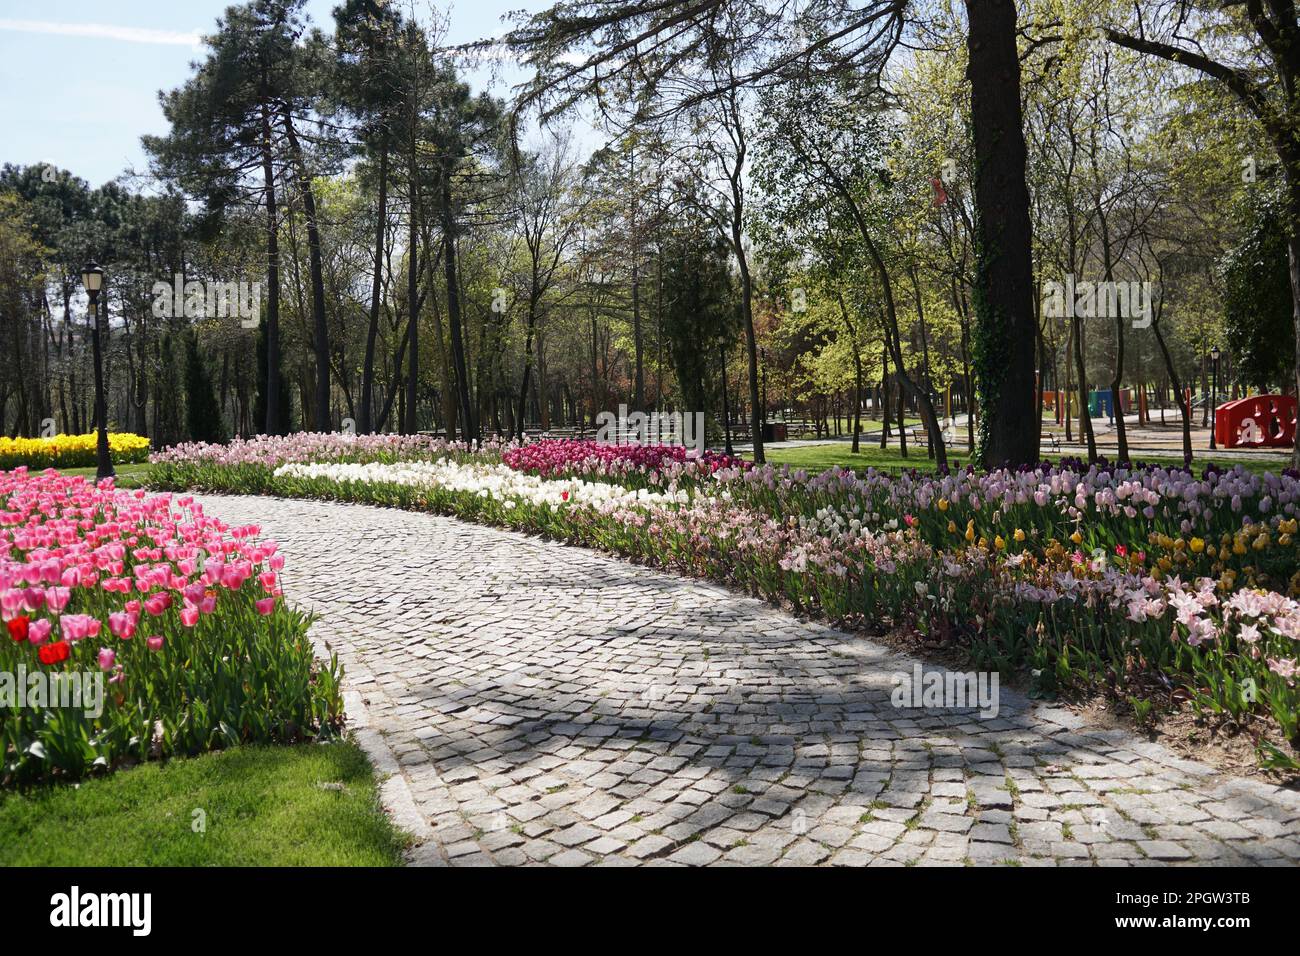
(92, 277)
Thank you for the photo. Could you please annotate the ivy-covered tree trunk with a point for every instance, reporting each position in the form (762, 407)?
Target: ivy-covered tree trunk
(1004, 314)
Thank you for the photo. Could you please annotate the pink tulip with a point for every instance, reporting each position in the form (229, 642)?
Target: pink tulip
(266, 606)
(38, 631)
(154, 643)
(107, 658)
(76, 627)
(122, 625)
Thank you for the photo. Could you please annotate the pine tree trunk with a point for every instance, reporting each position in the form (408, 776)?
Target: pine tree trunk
(272, 424)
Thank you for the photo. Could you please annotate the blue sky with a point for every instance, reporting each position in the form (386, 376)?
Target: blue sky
(80, 80)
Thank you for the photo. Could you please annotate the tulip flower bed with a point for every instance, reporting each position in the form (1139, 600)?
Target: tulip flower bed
(70, 451)
(245, 465)
(1233, 525)
(1153, 584)
(484, 480)
(176, 616)
(637, 466)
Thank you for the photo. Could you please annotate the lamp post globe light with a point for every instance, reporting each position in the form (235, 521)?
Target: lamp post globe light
(1214, 393)
(92, 277)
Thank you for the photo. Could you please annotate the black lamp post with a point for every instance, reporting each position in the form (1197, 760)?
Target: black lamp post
(1214, 393)
(92, 277)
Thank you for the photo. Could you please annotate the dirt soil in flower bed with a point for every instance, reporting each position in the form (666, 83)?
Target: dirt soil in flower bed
(1223, 745)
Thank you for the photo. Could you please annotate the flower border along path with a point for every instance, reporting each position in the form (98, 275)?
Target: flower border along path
(1148, 582)
(542, 703)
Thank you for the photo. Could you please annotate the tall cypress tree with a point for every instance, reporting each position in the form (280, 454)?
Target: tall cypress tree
(700, 310)
(202, 412)
(283, 400)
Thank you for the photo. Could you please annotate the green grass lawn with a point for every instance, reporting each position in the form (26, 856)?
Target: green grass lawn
(307, 805)
(128, 476)
(814, 458)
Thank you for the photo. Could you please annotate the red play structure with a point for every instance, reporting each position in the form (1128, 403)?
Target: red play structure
(1260, 421)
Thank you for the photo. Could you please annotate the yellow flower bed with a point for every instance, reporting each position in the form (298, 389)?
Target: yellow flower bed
(70, 451)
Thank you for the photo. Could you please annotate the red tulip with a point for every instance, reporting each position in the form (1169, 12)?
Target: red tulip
(18, 627)
(54, 653)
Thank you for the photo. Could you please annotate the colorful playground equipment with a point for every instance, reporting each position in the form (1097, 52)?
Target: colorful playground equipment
(1260, 421)
(1100, 403)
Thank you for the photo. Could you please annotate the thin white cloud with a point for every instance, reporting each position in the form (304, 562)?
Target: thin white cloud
(105, 31)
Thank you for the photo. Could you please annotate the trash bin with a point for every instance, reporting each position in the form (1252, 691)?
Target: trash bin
(773, 432)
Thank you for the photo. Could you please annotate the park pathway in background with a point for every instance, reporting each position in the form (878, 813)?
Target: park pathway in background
(532, 702)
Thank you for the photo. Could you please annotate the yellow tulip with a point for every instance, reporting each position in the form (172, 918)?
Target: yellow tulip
(70, 451)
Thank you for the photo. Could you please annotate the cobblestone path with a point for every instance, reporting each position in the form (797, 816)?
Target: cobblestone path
(536, 703)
